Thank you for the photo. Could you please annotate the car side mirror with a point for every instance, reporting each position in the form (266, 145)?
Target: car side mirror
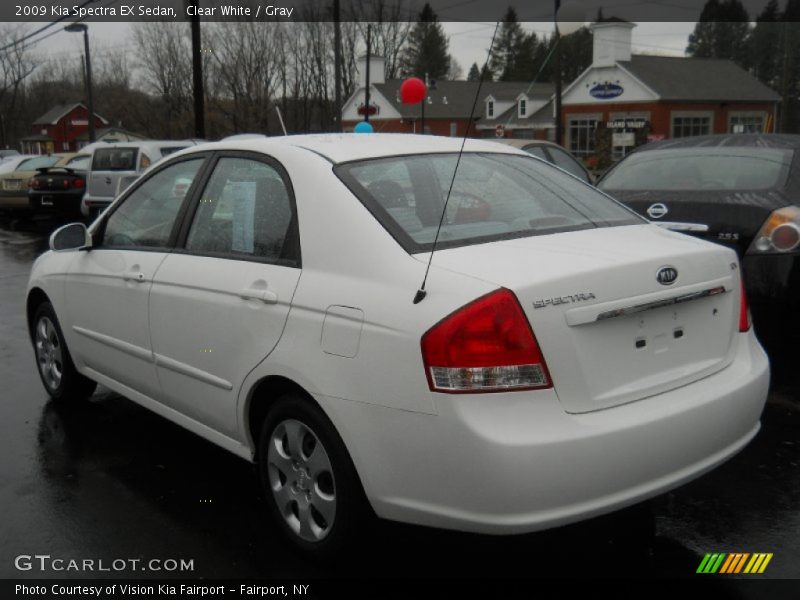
(74, 236)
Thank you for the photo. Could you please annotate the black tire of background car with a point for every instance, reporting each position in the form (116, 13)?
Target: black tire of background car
(353, 512)
(73, 386)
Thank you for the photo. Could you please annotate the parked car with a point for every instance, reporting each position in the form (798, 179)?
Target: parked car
(552, 153)
(14, 185)
(7, 165)
(59, 189)
(8, 153)
(122, 161)
(740, 190)
(565, 359)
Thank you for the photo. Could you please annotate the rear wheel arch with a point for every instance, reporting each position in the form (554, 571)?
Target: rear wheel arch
(263, 395)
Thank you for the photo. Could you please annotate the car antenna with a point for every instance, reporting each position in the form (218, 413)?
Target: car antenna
(421, 293)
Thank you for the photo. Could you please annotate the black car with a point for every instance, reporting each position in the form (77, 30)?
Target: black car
(740, 190)
(60, 189)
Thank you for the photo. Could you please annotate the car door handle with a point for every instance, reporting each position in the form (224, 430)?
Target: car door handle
(135, 276)
(266, 296)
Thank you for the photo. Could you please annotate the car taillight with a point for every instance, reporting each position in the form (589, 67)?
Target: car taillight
(78, 182)
(33, 183)
(780, 232)
(486, 346)
(744, 310)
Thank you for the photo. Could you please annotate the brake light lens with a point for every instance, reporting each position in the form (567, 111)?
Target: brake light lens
(486, 346)
(744, 310)
(33, 183)
(78, 182)
(780, 232)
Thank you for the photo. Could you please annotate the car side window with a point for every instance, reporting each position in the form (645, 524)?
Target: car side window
(245, 211)
(568, 163)
(537, 151)
(146, 217)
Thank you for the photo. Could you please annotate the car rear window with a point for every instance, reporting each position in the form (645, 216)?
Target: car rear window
(701, 169)
(495, 196)
(115, 159)
(167, 150)
(37, 163)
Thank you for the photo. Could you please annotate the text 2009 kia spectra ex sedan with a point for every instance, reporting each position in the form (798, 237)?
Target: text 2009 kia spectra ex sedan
(568, 358)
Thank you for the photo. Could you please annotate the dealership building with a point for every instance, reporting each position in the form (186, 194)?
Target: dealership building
(623, 100)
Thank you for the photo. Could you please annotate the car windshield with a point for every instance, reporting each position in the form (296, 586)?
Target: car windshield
(38, 162)
(115, 159)
(701, 169)
(79, 162)
(495, 196)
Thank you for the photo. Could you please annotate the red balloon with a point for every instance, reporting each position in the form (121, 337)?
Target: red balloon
(413, 90)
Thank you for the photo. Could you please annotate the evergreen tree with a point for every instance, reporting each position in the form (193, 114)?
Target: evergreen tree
(507, 48)
(721, 32)
(426, 52)
(764, 45)
(474, 73)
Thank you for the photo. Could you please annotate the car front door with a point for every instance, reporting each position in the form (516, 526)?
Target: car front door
(108, 287)
(220, 301)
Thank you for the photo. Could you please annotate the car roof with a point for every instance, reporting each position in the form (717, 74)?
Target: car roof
(345, 147)
(730, 140)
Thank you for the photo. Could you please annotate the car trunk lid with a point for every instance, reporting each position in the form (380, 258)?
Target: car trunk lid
(725, 217)
(609, 331)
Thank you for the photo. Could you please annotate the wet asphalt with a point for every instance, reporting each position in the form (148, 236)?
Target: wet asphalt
(111, 480)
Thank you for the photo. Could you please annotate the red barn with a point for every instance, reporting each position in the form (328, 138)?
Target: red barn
(60, 130)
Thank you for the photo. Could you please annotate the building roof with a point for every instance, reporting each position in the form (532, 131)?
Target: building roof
(454, 99)
(54, 115)
(510, 118)
(713, 79)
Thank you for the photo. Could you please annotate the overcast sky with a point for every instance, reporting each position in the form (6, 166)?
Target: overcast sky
(468, 41)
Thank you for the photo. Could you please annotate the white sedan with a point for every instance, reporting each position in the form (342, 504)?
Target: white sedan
(568, 358)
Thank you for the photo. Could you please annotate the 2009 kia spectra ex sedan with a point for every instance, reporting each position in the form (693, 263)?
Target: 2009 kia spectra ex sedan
(568, 358)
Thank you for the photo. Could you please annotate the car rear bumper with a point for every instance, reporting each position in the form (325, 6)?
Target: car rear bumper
(773, 290)
(61, 202)
(515, 463)
(14, 201)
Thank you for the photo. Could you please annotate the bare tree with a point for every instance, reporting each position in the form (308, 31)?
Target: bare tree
(164, 61)
(15, 66)
(390, 23)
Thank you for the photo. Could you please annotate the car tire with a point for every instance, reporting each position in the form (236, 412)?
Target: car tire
(57, 371)
(311, 486)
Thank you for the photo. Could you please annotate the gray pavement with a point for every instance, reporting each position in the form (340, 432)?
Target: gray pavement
(111, 480)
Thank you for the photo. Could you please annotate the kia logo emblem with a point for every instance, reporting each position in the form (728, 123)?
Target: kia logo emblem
(656, 211)
(667, 275)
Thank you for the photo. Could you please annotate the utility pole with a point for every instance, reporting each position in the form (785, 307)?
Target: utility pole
(337, 68)
(557, 75)
(366, 81)
(197, 79)
(83, 28)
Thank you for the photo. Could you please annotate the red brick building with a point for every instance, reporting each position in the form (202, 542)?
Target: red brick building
(63, 128)
(623, 100)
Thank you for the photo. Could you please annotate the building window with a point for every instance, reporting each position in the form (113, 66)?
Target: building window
(490, 109)
(523, 107)
(453, 129)
(691, 124)
(746, 122)
(581, 135)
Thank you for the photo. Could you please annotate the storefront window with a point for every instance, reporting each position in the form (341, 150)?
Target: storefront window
(581, 136)
(690, 125)
(746, 123)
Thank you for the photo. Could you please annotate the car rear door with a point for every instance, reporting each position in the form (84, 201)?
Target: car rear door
(109, 286)
(219, 303)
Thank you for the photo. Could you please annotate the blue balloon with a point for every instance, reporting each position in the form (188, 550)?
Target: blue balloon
(363, 127)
